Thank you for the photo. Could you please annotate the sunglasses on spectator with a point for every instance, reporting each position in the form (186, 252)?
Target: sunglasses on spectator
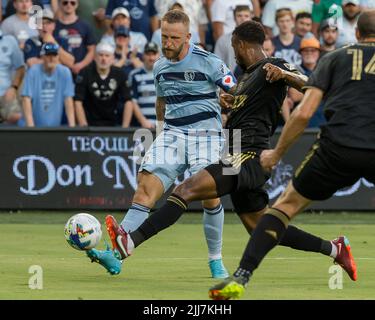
(65, 3)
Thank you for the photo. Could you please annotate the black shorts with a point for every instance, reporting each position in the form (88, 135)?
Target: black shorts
(329, 167)
(244, 184)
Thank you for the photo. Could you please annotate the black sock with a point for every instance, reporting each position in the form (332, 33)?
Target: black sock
(160, 220)
(298, 239)
(267, 234)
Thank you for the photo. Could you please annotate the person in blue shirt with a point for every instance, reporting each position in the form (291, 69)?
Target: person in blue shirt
(34, 45)
(48, 88)
(12, 70)
(187, 81)
(144, 17)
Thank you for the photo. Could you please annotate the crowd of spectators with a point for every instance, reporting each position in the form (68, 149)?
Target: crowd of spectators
(89, 62)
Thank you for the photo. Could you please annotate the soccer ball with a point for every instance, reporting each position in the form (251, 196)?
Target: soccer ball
(83, 231)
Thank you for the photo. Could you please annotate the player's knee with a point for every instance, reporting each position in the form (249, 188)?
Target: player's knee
(144, 195)
(186, 191)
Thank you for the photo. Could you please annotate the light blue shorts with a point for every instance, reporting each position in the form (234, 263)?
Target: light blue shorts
(173, 152)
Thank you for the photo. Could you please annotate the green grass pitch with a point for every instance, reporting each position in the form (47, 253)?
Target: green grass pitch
(173, 265)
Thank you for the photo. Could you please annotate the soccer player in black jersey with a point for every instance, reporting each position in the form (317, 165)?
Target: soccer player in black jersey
(256, 107)
(343, 153)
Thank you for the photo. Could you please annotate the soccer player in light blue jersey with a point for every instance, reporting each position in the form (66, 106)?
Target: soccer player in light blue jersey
(187, 81)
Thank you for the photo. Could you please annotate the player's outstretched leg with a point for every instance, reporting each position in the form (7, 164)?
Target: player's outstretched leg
(109, 259)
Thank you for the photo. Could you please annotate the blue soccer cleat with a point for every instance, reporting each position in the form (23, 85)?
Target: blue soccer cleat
(217, 269)
(109, 259)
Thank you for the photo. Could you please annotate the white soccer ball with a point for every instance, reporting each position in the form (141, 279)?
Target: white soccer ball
(83, 231)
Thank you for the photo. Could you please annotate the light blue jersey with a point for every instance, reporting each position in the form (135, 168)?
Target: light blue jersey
(189, 88)
(48, 93)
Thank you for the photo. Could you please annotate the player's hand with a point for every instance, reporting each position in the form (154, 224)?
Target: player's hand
(274, 73)
(226, 100)
(269, 159)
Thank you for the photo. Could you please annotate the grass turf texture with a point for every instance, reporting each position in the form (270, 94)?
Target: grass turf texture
(173, 265)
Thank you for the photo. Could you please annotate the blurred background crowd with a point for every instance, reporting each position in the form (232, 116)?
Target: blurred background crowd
(89, 62)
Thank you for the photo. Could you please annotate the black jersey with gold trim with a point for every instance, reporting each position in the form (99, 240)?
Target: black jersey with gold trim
(257, 106)
(347, 78)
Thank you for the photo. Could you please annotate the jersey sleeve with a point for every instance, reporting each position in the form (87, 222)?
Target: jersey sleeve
(321, 77)
(220, 73)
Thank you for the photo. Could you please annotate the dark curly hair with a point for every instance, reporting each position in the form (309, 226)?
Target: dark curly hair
(251, 32)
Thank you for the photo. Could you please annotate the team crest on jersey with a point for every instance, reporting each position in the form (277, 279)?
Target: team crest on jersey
(112, 84)
(189, 75)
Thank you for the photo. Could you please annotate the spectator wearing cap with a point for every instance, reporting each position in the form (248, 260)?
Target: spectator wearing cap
(48, 88)
(143, 92)
(11, 74)
(310, 53)
(351, 10)
(121, 17)
(322, 10)
(329, 34)
(303, 24)
(77, 33)
(17, 24)
(100, 90)
(125, 58)
(156, 37)
(286, 44)
(143, 15)
(34, 45)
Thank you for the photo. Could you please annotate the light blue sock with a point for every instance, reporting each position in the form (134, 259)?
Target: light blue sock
(213, 221)
(135, 216)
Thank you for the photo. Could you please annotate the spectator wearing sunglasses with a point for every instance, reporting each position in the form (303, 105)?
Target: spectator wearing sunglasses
(34, 45)
(48, 90)
(77, 33)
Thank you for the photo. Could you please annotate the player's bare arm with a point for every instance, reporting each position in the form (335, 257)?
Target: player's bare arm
(293, 128)
(160, 109)
(293, 79)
